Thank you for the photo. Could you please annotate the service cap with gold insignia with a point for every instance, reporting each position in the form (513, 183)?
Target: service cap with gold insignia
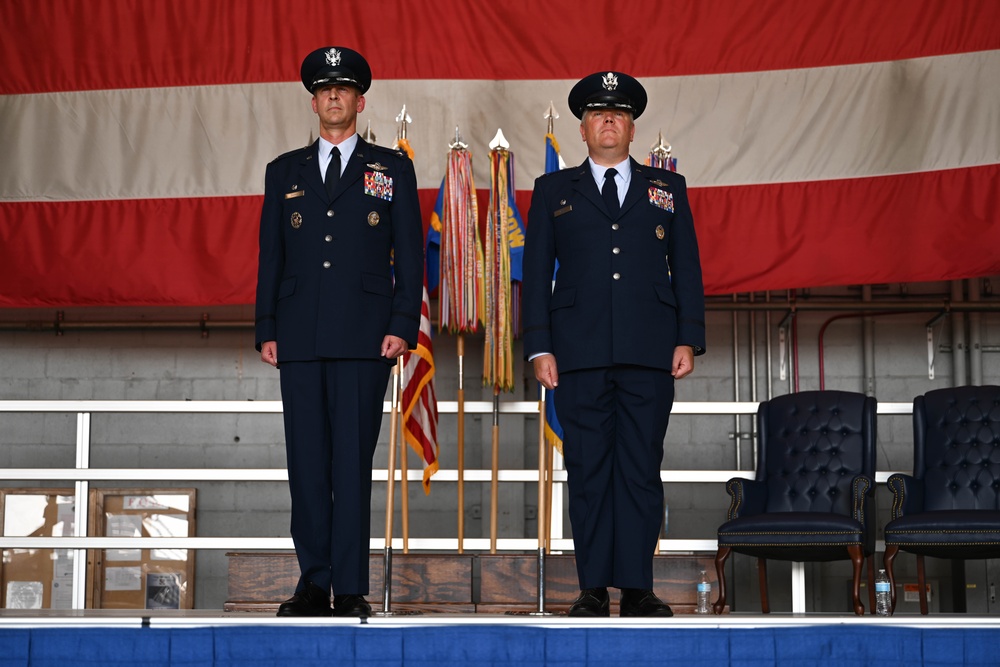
(607, 90)
(333, 66)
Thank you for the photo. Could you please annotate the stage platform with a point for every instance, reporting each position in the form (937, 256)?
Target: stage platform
(217, 638)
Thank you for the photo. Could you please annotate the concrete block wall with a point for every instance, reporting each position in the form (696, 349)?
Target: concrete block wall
(153, 364)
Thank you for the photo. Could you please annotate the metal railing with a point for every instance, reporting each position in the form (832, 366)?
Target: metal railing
(82, 475)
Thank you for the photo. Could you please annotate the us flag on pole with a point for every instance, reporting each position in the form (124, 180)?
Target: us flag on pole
(420, 414)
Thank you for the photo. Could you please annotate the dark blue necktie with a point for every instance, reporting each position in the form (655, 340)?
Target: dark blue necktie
(610, 192)
(333, 172)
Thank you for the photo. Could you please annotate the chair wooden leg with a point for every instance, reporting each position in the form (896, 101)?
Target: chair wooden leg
(891, 551)
(857, 559)
(922, 584)
(720, 570)
(870, 563)
(765, 606)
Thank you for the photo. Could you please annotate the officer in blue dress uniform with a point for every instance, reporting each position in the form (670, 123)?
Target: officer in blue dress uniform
(624, 319)
(338, 300)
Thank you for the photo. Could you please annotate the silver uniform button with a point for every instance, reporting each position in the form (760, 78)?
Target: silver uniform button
(327, 238)
(326, 265)
(329, 213)
(616, 275)
(616, 250)
(614, 226)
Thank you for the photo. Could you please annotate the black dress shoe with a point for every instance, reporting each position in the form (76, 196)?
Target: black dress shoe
(310, 601)
(592, 602)
(351, 605)
(642, 602)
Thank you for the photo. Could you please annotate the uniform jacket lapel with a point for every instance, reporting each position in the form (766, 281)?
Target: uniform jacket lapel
(355, 167)
(637, 187)
(309, 171)
(583, 182)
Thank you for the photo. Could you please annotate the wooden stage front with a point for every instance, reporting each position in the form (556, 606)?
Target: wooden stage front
(460, 583)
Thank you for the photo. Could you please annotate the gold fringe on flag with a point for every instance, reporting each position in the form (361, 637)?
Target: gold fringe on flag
(498, 356)
(460, 297)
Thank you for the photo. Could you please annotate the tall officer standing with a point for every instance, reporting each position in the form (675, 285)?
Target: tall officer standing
(625, 318)
(338, 300)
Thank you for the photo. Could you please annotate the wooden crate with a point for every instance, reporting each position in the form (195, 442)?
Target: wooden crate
(260, 581)
(459, 583)
(509, 582)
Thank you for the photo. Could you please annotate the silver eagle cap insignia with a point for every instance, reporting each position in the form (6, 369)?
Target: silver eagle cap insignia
(333, 57)
(609, 81)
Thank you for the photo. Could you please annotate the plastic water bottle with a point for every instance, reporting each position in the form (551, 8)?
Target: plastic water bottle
(883, 595)
(704, 593)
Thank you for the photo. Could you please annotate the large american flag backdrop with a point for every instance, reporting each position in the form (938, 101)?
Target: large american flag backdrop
(824, 143)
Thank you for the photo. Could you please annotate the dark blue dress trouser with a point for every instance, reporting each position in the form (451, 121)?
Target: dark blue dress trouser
(333, 414)
(614, 421)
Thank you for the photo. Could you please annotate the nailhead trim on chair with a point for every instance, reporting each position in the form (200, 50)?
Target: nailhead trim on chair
(796, 545)
(734, 489)
(798, 532)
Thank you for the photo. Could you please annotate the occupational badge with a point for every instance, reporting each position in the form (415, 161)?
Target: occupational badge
(373, 218)
(659, 182)
(659, 232)
(378, 184)
(377, 167)
(296, 220)
(661, 199)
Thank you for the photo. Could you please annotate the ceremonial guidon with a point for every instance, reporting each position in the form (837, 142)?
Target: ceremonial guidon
(340, 274)
(628, 291)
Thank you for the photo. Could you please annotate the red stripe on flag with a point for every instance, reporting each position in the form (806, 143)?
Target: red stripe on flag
(57, 45)
(901, 228)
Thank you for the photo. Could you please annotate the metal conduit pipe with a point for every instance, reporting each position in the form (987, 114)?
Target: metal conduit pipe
(959, 374)
(767, 349)
(205, 324)
(868, 339)
(975, 335)
(843, 316)
(736, 383)
(795, 345)
(753, 379)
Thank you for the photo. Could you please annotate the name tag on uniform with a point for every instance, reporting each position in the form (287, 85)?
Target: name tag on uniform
(297, 193)
(564, 209)
(661, 199)
(377, 184)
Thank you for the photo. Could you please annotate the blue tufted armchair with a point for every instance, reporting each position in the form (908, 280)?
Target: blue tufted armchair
(950, 506)
(813, 495)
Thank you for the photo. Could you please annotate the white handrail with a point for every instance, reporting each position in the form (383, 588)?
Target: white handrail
(83, 474)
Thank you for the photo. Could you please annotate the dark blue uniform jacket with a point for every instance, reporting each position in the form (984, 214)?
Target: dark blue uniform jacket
(326, 285)
(629, 288)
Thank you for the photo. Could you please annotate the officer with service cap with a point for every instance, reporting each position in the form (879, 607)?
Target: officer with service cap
(339, 287)
(625, 318)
